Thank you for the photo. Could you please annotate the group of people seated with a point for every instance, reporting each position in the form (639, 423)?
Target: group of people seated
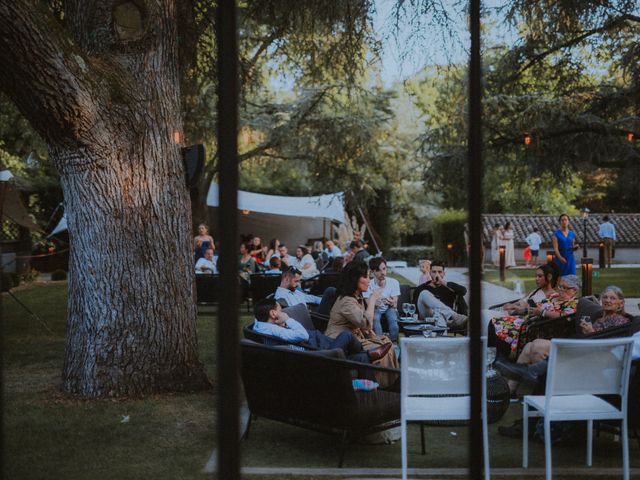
(275, 258)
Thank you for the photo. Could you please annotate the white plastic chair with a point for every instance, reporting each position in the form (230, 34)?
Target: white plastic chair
(579, 370)
(435, 385)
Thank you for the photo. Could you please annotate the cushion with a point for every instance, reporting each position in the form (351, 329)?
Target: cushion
(300, 313)
(589, 307)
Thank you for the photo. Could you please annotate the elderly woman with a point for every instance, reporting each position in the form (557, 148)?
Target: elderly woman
(508, 329)
(350, 313)
(612, 315)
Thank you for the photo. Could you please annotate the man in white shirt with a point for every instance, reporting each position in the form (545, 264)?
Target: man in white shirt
(607, 232)
(534, 241)
(332, 249)
(387, 305)
(289, 292)
(208, 263)
(271, 320)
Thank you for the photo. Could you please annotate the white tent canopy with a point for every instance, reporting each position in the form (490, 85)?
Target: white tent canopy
(293, 220)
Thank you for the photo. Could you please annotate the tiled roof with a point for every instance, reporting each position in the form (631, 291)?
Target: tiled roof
(627, 226)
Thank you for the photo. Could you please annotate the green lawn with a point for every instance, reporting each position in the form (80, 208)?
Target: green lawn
(628, 279)
(50, 435)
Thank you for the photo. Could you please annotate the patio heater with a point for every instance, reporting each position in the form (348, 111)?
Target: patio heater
(585, 215)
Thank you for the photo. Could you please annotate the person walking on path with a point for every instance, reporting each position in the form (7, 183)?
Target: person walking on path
(534, 241)
(509, 250)
(607, 233)
(564, 244)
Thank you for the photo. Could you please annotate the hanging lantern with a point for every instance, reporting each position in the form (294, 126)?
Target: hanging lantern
(527, 139)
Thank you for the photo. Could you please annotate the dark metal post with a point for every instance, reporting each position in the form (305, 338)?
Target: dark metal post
(584, 237)
(601, 260)
(475, 234)
(227, 338)
(450, 259)
(502, 262)
(587, 272)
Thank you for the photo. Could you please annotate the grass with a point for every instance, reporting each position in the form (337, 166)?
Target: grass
(628, 279)
(170, 436)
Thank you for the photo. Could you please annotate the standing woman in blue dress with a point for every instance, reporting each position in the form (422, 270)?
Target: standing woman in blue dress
(564, 244)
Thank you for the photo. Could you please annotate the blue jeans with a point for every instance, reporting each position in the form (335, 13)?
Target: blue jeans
(391, 314)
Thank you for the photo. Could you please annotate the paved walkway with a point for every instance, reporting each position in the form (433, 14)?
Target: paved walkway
(493, 294)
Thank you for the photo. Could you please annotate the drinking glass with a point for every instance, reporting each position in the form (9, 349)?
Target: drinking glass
(491, 357)
(405, 309)
(412, 310)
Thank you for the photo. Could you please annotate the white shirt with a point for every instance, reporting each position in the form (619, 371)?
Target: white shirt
(295, 333)
(296, 297)
(210, 265)
(534, 241)
(289, 259)
(391, 289)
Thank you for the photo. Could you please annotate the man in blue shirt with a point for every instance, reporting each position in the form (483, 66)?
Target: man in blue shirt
(289, 292)
(607, 233)
(271, 320)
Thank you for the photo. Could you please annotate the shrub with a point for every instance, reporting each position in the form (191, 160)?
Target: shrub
(410, 254)
(448, 228)
(59, 274)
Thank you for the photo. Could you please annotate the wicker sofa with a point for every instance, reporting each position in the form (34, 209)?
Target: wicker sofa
(313, 389)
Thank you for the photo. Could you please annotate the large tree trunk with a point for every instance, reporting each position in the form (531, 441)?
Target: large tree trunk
(107, 103)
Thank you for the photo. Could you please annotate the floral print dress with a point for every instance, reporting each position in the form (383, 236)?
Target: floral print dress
(510, 328)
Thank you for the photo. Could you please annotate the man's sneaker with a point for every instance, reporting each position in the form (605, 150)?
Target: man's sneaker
(457, 320)
(512, 431)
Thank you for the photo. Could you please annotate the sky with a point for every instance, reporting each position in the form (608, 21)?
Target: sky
(410, 48)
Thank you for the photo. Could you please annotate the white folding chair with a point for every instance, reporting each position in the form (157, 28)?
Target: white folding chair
(435, 385)
(579, 370)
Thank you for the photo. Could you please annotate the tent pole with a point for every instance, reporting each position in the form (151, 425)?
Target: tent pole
(373, 238)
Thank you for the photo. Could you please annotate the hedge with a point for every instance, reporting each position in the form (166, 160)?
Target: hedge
(448, 229)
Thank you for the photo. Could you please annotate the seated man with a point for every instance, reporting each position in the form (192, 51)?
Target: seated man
(387, 305)
(283, 254)
(208, 263)
(438, 294)
(271, 320)
(357, 251)
(288, 291)
(332, 249)
(274, 266)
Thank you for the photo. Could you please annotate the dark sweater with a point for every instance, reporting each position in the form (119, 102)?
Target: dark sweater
(446, 294)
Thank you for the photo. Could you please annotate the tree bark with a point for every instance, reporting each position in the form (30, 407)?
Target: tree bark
(103, 91)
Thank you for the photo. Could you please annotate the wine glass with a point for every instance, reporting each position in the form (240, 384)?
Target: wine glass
(405, 309)
(491, 357)
(412, 310)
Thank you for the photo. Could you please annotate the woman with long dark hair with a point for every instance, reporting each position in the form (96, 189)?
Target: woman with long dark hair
(351, 313)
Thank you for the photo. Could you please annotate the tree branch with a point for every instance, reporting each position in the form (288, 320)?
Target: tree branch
(574, 41)
(39, 57)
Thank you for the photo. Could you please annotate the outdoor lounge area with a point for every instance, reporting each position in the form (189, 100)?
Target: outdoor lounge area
(170, 435)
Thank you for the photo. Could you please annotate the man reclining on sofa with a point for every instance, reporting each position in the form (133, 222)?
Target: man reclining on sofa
(271, 320)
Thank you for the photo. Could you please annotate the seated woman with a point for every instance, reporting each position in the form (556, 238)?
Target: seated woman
(546, 281)
(506, 331)
(611, 316)
(305, 263)
(349, 313)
